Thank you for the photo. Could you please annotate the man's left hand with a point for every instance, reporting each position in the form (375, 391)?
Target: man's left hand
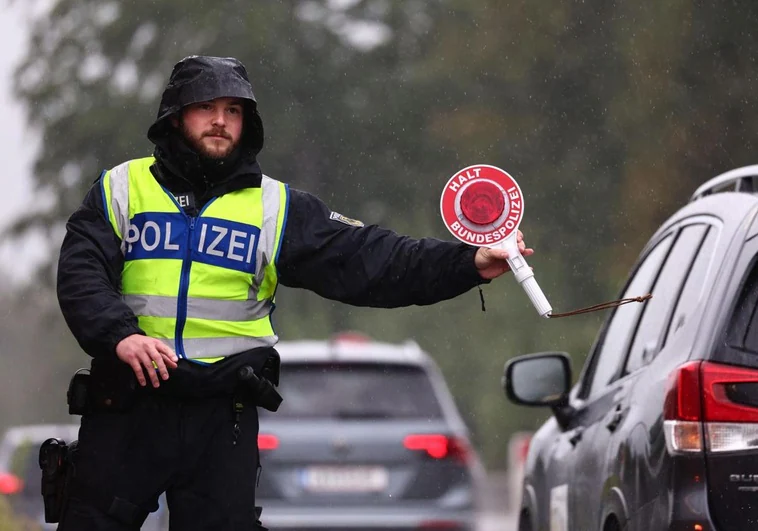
(492, 263)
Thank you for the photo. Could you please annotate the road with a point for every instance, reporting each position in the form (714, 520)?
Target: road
(493, 502)
(489, 521)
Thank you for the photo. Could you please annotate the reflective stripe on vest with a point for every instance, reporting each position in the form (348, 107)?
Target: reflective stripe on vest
(205, 285)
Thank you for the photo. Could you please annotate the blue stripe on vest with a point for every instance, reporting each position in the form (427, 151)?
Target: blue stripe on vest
(225, 243)
(156, 235)
(213, 241)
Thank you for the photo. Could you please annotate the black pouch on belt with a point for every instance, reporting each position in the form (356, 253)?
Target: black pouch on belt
(112, 386)
(78, 394)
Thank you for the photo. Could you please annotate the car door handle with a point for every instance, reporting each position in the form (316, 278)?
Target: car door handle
(576, 436)
(616, 418)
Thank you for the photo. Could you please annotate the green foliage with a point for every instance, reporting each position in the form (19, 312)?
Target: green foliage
(608, 114)
(10, 521)
(41, 356)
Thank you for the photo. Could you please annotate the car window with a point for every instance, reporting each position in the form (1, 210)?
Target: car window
(742, 331)
(356, 391)
(665, 293)
(694, 286)
(609, 354)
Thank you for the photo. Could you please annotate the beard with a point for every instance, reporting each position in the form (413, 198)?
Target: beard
(199, 143)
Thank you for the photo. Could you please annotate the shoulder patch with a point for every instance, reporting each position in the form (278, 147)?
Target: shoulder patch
(347, 221)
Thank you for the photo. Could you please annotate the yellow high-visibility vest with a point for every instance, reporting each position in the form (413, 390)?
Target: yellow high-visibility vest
(203, 285)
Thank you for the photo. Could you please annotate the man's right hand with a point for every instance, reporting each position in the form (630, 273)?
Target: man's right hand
(140, 352)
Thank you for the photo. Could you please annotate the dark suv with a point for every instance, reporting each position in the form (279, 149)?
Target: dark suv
(661, 429)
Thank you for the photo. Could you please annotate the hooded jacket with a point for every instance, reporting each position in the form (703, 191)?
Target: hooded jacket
(196, 79)
(321, 251)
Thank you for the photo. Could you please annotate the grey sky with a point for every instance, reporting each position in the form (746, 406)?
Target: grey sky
(17, 142)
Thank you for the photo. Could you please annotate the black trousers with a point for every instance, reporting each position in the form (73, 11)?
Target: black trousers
(183, 447)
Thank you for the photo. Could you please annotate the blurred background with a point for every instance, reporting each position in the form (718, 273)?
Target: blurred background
(609, 114)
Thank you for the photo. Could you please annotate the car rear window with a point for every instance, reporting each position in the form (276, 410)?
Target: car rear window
(356, 391)
(742, 332)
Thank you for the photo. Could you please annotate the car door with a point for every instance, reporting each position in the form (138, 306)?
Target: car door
(554, 495)
(600, 400)
(655, 351)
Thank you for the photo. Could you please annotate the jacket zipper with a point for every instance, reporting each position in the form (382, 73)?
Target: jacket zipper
(181, 304)
(181, 308)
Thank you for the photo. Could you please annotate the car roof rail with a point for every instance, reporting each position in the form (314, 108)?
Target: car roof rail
(743, 179)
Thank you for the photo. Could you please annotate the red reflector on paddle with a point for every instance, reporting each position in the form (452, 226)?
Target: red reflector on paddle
(482, 203)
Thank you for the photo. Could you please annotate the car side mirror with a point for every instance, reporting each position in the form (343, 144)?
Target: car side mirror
(542, 379)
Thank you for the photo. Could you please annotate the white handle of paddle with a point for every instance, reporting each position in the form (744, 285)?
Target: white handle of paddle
(525, 276)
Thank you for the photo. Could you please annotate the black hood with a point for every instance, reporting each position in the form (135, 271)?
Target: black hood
(200, 78)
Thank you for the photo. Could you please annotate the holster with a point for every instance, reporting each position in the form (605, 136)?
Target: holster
(56, 463)
(259, 389)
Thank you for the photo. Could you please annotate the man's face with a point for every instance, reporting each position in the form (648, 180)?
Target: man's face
(213, 128)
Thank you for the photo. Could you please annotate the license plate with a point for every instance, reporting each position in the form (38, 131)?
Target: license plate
(344, 479)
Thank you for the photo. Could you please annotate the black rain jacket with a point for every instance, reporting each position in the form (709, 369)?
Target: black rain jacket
(358, 265)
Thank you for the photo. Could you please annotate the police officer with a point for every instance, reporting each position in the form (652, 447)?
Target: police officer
(167, 276)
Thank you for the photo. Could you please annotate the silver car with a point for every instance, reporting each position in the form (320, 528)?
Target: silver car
(368, 437)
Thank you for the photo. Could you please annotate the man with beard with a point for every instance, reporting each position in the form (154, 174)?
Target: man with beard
(167, 276)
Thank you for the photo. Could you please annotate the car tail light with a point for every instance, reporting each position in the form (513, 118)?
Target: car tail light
(682, 410)
(267, 441)
(698, 409)
(10, 484)
(439, 446)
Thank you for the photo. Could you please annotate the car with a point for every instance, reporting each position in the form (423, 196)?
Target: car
(368, 437)
(660, 431)
(19, 466)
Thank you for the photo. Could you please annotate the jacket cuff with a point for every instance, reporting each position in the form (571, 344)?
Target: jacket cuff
(118, 333)
(467, 267)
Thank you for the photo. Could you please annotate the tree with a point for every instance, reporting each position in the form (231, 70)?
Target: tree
(608, 115)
